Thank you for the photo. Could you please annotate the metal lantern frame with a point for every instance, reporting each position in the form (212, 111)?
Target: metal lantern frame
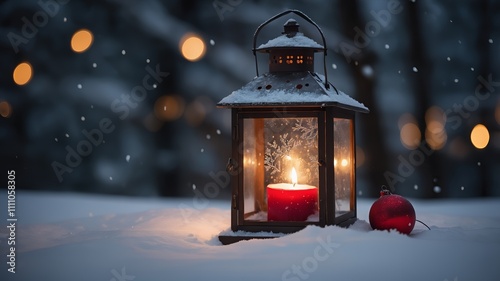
(311, 97)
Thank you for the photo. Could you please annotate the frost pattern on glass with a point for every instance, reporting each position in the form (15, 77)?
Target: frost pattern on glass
(291, 143)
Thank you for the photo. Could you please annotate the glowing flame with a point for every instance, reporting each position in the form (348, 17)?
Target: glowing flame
(294, 177)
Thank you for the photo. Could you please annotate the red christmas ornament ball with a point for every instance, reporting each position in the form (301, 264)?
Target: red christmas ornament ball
(392, 211)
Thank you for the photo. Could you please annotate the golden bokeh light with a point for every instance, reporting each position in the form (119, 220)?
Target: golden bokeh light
(410, 135)
(192, 47)
(435, 114)
(435, 137)
(22, 73)
(435, 133)
(480, 136)
(81, 40)
(5, 109)
(169, 108)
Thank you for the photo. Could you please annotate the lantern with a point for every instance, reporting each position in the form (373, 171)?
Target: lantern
(293, 142)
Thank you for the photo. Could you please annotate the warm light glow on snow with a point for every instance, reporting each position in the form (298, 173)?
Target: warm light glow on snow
(22, 73)
(192, 47)
(480, 136)
(5, 109)
(81, 40)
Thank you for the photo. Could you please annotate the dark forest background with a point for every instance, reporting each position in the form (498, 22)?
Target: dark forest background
(428, 71)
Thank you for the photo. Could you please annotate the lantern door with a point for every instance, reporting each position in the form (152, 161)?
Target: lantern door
(280, 184)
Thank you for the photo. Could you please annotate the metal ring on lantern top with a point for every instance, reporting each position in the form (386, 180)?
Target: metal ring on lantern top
(306, 18)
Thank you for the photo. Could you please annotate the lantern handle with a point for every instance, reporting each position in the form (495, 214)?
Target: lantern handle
(306, 18)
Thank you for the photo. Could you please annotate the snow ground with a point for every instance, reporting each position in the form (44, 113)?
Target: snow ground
(88, 237)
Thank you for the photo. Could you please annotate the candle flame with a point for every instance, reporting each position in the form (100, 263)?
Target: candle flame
(294, 177)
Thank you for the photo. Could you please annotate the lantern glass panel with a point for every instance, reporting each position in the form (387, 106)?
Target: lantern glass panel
(272, 149)
(343, 164)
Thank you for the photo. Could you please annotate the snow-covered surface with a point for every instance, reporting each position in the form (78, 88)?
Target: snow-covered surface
(284, 90)
(299, 40)
(82, 237)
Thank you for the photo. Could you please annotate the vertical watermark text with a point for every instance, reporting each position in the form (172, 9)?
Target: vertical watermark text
(11, 220)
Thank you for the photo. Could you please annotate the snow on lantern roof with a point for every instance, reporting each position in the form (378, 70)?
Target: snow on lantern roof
(291, 38)
(287, 89)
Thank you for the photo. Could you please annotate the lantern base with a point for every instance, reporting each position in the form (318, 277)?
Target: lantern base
(233, 237)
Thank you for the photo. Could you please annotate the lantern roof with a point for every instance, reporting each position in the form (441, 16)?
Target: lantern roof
(291, 38)
(290, 89)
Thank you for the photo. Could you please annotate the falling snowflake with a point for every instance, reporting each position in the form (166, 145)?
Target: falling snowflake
(479, 163)
(472, 69)
(415, 187)
(490, 40)
(65, 19)
(123, 52)
(79, 86)
(415, 69)
(367, 71)
(202, 150)
(147, 60)
(82, 118)
(67, 135)
(448, 59)
(437, 189)
(127, 158)
(56, 139)
(154, 85)
(208, 136)
(212, 42)
(334, 66)
(387, 46)
(94, 65)
(194, 186)
(218, 132)
(456, 80)
(462, 188)
(110, 178)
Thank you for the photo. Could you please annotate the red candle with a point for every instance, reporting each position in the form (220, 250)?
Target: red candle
(291, 202)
